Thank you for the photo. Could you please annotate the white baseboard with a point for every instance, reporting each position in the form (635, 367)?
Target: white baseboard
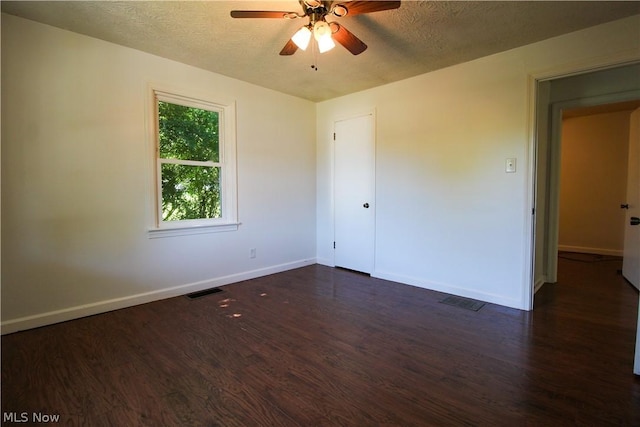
(450, 289)
(43, 319)
(588, 250)
(326, 262)
(538, 284)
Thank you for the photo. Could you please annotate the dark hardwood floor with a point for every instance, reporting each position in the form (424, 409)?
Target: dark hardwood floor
(328, 347)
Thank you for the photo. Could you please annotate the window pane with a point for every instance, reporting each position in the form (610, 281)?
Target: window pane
(188, 133)
(190, 192)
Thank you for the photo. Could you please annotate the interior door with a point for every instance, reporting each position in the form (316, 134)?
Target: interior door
(631, 262)
(354, 206)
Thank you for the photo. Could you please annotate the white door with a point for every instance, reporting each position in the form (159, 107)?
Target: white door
(631, 262)
(354, 205)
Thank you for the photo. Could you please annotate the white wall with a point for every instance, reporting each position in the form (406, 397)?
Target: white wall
(77, 180)
(448, 216)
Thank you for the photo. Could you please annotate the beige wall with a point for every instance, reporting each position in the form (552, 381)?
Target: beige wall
(593, 183)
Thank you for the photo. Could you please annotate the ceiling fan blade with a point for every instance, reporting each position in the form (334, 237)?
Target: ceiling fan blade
(262, 14)
(347, 39)
(359, 7)
(289, 49)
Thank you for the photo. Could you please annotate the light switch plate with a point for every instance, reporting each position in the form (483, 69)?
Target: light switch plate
(510, 166)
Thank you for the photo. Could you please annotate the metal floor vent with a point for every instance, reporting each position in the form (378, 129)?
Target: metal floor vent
(204, 293)
(466, 303)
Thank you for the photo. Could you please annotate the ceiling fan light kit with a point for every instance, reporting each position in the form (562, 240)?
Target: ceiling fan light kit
(313, 3)
(326, 33)
(340, 10)
(322, 34)
(302, 38)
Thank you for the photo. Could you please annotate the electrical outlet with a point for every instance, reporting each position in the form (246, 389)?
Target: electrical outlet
(252, 253)
(510, 165)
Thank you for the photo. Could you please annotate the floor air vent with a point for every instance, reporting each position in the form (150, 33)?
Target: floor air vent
(466, 303)
(204, 293)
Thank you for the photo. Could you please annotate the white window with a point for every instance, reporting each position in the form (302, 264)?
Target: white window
(195, 165)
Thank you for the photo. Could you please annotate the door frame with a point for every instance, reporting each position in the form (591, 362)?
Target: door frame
(537, 99)
(555, 148)
(370, 112)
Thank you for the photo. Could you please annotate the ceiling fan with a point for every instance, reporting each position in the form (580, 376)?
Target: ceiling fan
(324, 32)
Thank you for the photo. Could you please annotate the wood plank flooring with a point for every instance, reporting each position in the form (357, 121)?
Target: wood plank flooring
(319, 346)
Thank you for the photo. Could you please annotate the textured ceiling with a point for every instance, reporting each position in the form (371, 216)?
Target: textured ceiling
(419, 37)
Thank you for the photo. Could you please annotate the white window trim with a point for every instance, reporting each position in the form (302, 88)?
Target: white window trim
(227, 162)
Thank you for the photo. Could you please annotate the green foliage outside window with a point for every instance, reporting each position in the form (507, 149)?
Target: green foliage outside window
(189, 151)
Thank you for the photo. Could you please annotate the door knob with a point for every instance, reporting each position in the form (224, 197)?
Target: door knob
(625, 206)
(366, 206)
(634, 220)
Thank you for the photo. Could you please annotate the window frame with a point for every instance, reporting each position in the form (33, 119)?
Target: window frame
(226, 162)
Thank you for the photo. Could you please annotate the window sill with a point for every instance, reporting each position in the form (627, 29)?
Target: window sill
(156, 233)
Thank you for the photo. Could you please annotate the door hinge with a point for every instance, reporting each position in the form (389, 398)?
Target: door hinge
(334, 245)
(334, 136)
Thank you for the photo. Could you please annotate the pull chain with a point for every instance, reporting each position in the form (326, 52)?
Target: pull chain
(314, 52)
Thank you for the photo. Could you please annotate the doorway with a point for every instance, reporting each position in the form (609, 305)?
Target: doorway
(594, 90)
(593, 179)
